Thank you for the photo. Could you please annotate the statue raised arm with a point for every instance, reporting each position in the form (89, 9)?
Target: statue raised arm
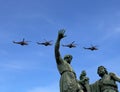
(61, 34)
(68, 81)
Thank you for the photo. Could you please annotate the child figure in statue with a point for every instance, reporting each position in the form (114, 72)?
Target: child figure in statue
(84, 81)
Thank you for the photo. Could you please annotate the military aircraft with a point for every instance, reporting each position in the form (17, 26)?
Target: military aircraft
(23, 42)
(45, 43)
(92, 48)
(71, 45)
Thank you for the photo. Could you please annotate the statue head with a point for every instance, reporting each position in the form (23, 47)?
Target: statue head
(101, 71)
(83, 73)
(68, 58)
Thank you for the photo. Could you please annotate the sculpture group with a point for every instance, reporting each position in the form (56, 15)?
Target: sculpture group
(69, 81)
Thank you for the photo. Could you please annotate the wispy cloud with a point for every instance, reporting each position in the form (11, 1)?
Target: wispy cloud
(11, 67)
(113, 63)
(37, 16)
(110, 34)
(17, 65)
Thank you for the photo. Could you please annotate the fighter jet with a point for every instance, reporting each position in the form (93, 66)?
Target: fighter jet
(45, 43)
(92, 48)
(71, 45)
(22, 43)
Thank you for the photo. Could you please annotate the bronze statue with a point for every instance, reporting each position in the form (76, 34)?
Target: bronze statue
(84, 81)
(68, 81)
(107, 82)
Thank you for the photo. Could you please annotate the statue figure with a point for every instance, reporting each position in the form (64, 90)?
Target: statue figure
(107, 83)
(84, 81)
(68, 81)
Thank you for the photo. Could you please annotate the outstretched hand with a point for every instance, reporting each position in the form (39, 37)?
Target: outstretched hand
(61, 34)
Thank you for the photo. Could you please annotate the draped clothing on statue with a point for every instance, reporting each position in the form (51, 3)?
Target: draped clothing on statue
(68, 82)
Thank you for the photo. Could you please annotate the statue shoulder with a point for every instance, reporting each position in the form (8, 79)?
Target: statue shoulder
(112, 74)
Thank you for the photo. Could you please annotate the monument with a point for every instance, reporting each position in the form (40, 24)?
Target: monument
(68, 80)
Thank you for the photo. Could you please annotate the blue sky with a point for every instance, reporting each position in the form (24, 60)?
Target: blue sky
(33, 68)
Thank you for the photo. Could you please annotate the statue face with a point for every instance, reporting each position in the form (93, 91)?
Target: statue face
(83, 73)
(101, 71)
(68, 59)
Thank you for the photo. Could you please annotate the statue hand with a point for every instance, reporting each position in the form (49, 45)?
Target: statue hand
(61, 34)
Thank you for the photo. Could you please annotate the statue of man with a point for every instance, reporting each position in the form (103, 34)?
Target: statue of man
(84, 81)
(68, 81)
(107, 83)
